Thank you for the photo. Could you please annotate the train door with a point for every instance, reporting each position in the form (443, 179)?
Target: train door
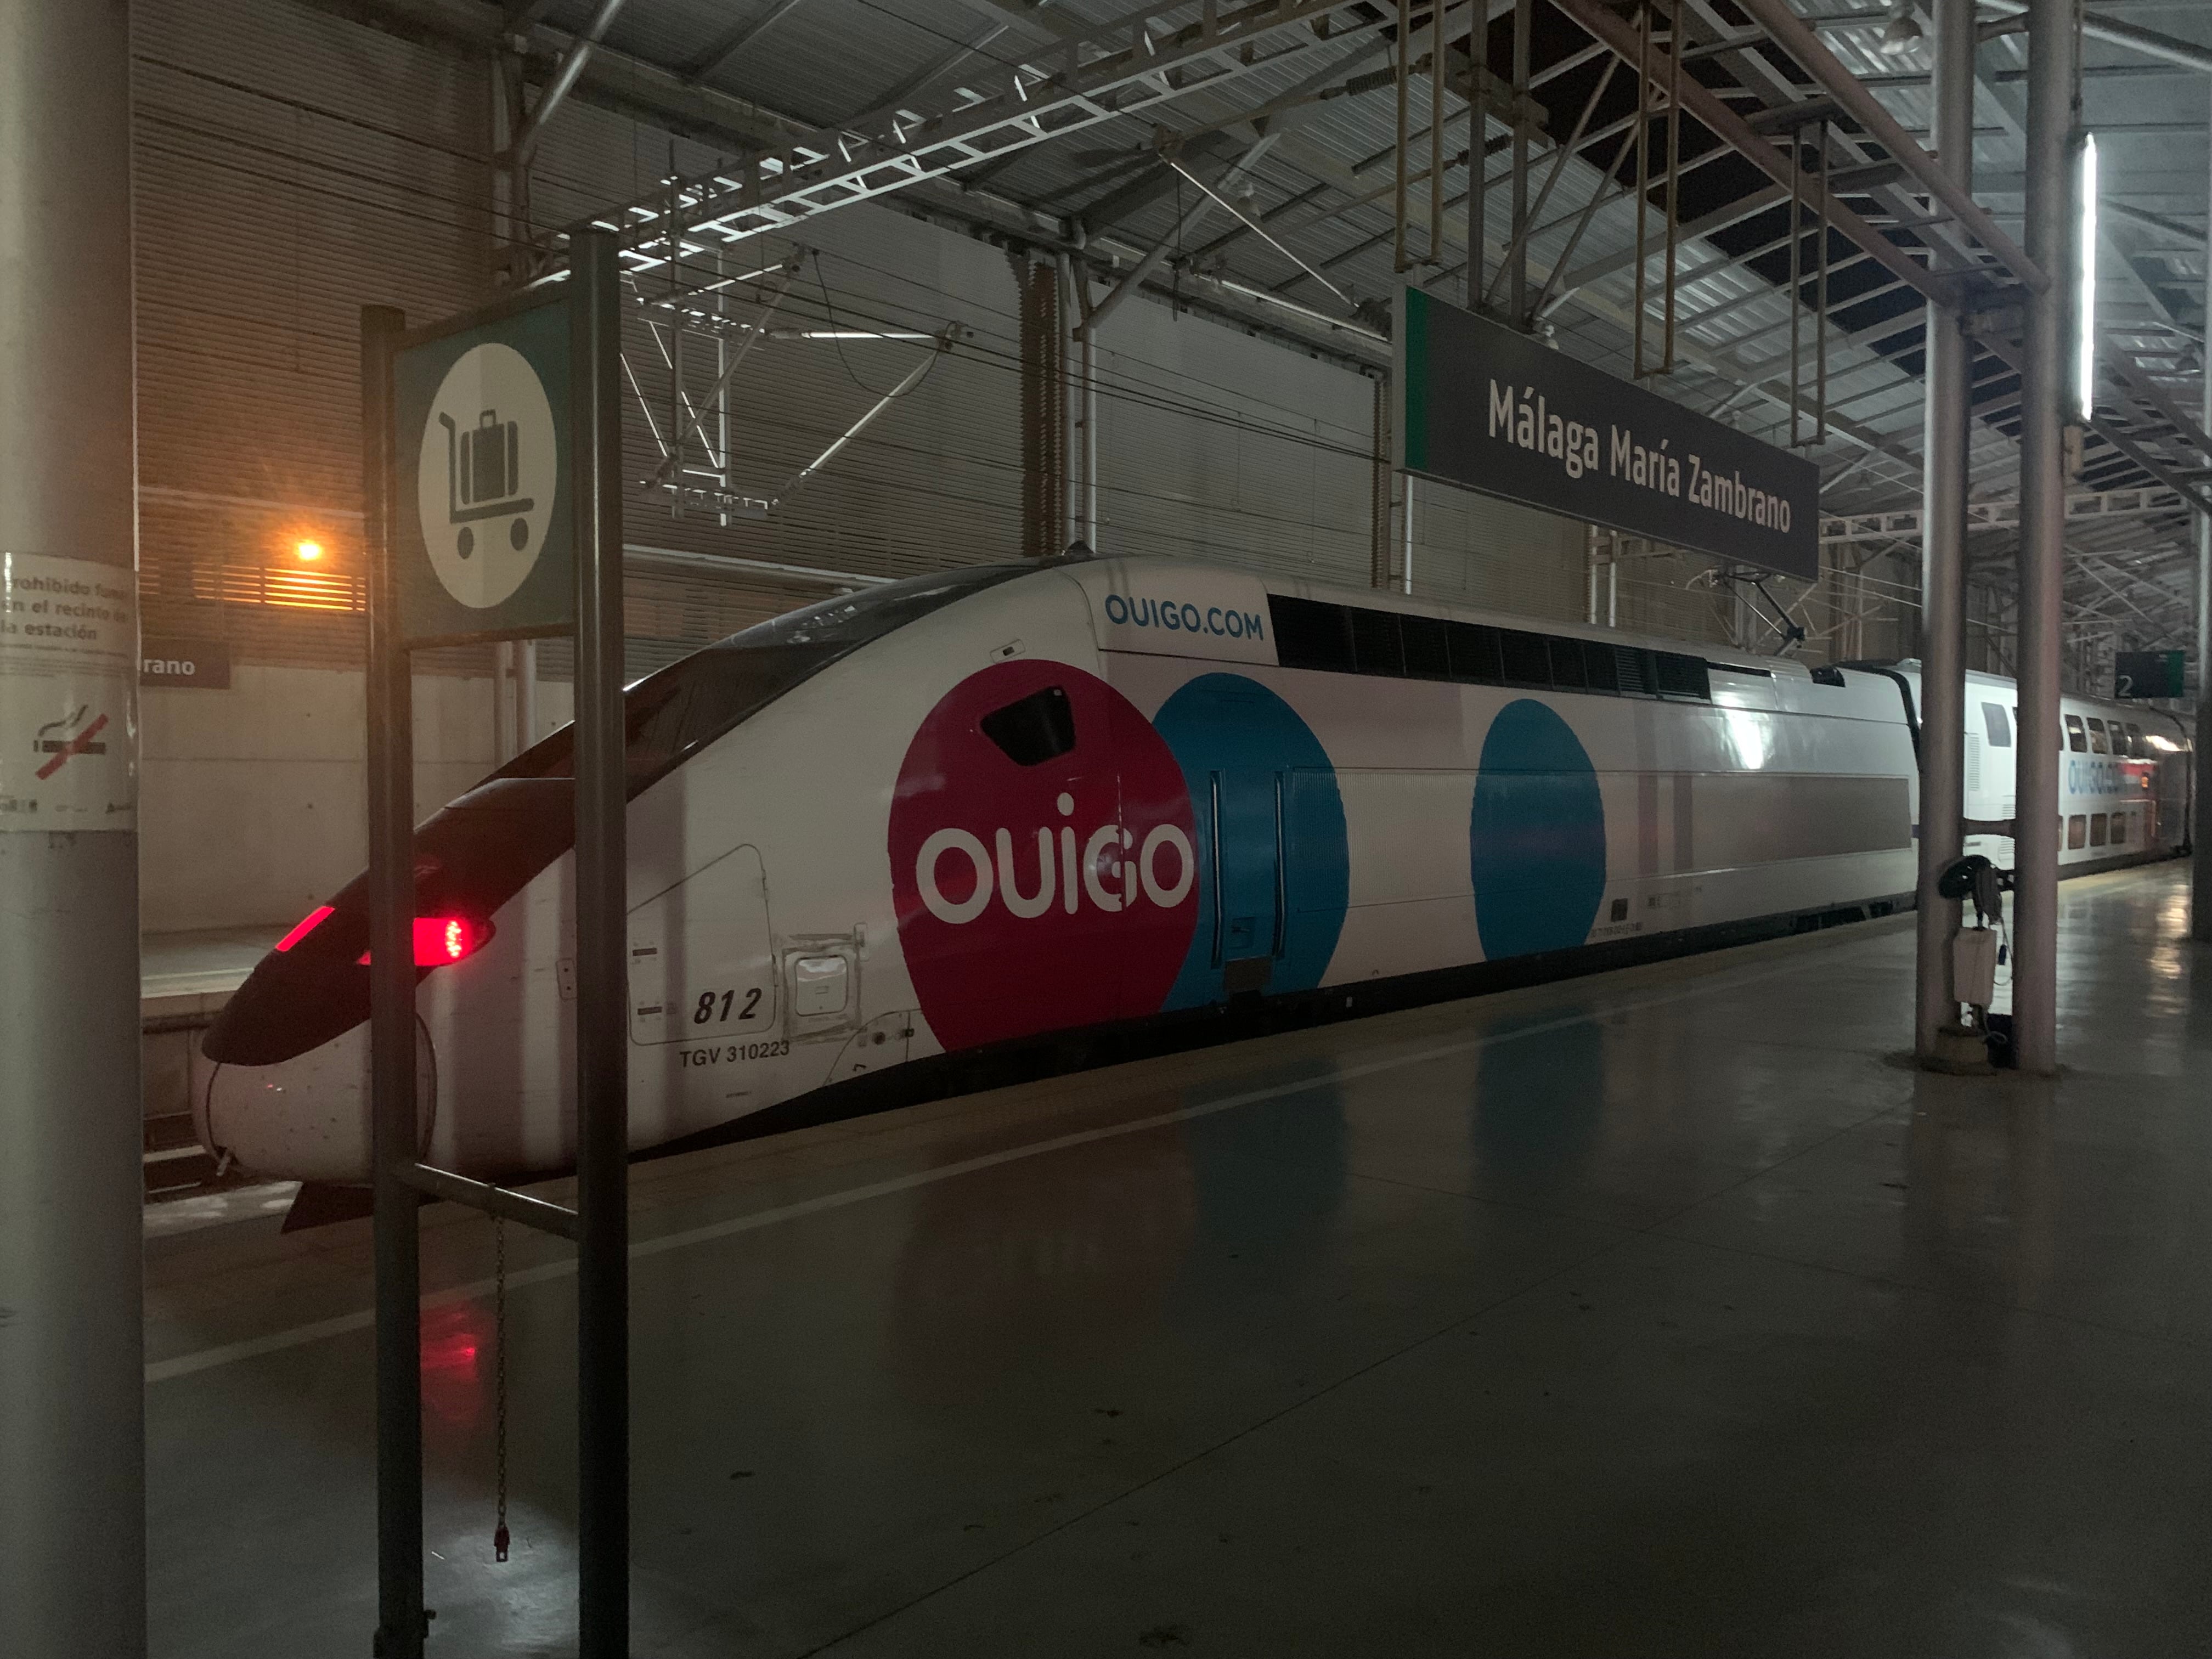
(1247, 877)
(701, 961)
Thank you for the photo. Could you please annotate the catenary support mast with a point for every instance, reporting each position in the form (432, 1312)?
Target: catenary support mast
(72, 1444)
(2053, 230)
(1942, 565)
(2200, 887)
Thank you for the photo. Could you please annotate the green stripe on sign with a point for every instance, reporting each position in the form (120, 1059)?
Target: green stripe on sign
(1415, 410)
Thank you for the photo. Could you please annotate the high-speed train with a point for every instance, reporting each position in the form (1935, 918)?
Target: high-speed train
(959, 814)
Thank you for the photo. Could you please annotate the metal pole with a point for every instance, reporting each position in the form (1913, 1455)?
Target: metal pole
(1642, 180)
(72, 1436)
(1523, 27)
(1943, 567)
(1070, 304)
(1820, 300)
(503, 723)
(511, 733)
(602, 983)
(526, 693)
(400, 1625)
(1378, 552)
(2200, 868)
(1404, 67)
(564, 79)
(1673, 176)
(1436, 242)
(1090, 364)
(1478, 151)
(1796, 273)
(1407, 572)
(2053, 81)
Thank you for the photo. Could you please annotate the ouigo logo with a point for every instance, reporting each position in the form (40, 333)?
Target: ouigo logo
(1111, 871)
(1045, 885)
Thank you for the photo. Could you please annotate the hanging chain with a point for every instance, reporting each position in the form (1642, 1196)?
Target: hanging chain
(499, 1538)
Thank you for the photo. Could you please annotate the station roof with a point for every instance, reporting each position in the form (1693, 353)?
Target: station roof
(1272, 188)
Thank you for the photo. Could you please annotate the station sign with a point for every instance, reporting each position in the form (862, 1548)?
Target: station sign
(483, 458)
(195, 665)
(1497, 412)
(2148, 673)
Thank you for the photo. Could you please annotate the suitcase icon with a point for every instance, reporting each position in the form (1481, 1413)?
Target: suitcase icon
(481, 477)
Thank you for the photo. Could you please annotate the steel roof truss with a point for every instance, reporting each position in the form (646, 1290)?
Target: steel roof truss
(1082, 81)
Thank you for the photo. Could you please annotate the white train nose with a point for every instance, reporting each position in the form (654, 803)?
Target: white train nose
(306, 1118)
(303, 1119)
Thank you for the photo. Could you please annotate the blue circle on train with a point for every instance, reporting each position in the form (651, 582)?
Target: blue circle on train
(1281, 862)
(1536, 835)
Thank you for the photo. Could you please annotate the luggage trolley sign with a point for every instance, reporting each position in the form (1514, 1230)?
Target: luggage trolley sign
(481, 537)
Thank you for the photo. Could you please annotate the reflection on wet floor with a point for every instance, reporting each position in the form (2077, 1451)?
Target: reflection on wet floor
(1658, 1314)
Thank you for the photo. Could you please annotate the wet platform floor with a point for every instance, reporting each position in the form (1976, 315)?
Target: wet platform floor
(1658, 1313)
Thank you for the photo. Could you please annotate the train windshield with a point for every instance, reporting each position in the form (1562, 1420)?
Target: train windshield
(687, 705)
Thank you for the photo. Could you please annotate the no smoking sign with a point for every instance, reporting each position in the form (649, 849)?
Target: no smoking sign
(481, 532)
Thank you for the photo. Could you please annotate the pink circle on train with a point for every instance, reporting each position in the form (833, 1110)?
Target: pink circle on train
(1043, 857)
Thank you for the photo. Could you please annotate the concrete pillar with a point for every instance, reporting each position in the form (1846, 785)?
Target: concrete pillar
(2053, 104)
(72, 1440)
(1943, 567)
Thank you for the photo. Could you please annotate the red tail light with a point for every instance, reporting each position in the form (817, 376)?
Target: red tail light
(314, 919)
(440, 941)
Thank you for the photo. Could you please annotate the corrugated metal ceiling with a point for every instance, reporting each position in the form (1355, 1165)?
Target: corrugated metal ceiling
(825, 61)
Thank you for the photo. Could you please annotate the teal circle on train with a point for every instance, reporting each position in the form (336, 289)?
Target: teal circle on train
(1536, 836)
(1278, 855)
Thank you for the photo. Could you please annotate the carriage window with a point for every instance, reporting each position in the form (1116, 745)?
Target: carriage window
(1601, 663)
(1683, 677)
(2097, 737)
(2077, 831)
(2097, 821)
(2000, 728)
(1311, 634)
(1476, 657)
(1375, 648)
(1346, 639)
(2119, 829)
(1034, 730)
(1527, 659)
(2136, 746)
(1428, 650)
(2077, 739)
(1568, 673)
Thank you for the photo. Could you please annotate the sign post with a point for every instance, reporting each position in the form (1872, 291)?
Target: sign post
(492, 489)
(602, 966)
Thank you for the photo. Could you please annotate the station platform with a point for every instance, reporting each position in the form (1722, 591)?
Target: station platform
(1658, 1313)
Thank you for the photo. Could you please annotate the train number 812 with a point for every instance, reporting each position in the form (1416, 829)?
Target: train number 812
(704, 1011)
